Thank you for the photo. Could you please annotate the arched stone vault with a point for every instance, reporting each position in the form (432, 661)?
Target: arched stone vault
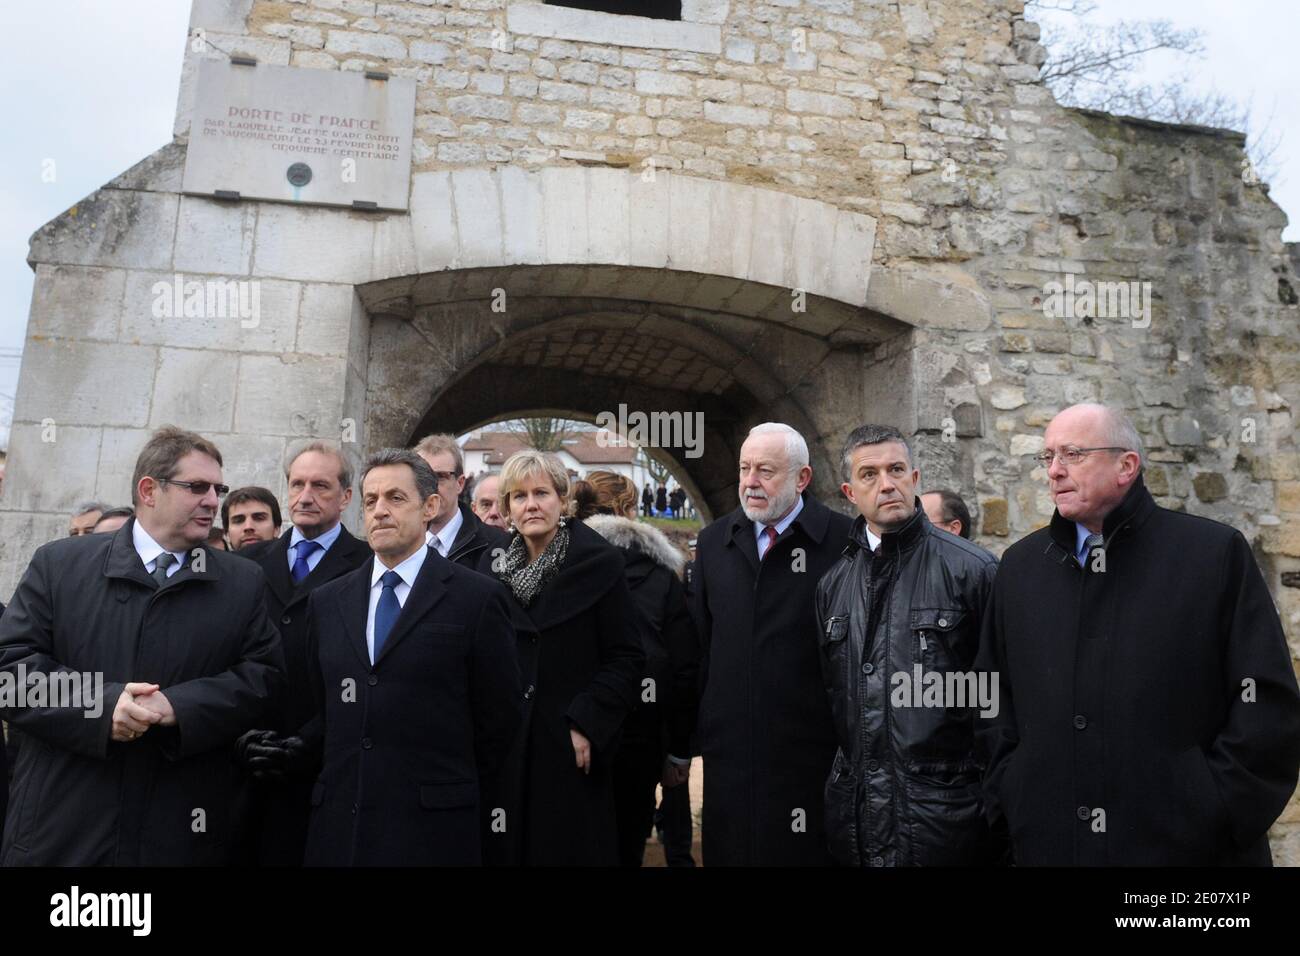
(470, 363)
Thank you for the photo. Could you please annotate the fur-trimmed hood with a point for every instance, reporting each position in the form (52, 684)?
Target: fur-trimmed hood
(635, 535)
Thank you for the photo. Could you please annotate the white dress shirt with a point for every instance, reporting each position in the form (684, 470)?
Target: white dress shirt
(780, 526)
(445, 538)
(407, 570)
(325, 541)
(872, 539)
(149, 549)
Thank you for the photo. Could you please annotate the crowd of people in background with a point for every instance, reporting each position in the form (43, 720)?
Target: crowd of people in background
(505, 671)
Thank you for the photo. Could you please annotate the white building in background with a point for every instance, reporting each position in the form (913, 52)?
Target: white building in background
(581, 452)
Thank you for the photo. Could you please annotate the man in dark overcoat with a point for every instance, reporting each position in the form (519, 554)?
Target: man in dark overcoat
(418, 684)
(765, 726)
(137, 771)
(1149, 713)
(275, 799)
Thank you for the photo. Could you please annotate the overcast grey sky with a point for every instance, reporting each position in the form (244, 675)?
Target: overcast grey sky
(91, 85)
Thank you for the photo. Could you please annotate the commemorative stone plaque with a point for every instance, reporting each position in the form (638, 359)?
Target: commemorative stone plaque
(303, 136)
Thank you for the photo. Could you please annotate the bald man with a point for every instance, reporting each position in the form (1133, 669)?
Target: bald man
(1149, 713)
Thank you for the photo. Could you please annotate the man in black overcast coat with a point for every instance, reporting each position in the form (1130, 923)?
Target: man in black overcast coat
(1149, 713)
(415, 676)
(276, 793)
(189, 661)
(765, 726)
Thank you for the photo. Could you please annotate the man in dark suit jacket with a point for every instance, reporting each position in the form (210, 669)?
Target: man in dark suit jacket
(275, 800)
(455, 532)
(472, 538)
(418, 686)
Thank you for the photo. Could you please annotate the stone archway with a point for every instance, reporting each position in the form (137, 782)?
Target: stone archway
(673, 294)
(449, 364)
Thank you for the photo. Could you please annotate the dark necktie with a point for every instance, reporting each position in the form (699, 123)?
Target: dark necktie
(163, 562)
(769, 533)
(305, 550)
(387, 609)
(1090, 542)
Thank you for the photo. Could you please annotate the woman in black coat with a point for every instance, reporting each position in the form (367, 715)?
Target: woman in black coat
(581, 661)
(657, 734)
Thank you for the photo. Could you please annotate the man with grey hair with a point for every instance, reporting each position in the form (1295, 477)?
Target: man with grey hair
(84, 517)
(1150, 714)
(765, 725)
(416, 677)
(899, 616)
(316, 549)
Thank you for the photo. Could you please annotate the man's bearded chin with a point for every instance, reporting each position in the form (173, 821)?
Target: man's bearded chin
(777, 505)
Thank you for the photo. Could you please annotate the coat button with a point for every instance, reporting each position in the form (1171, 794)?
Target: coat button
(943, 622)
(354, 809)
(528, 694)
(1080, 721)
(1083, 813)
(286, 619)
(372, 680)
(873, 766)
(877, 861)
(868, 667)
(367, 743)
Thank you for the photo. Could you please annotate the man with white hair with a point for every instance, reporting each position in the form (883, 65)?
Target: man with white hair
(765, 726)
(1149, 713)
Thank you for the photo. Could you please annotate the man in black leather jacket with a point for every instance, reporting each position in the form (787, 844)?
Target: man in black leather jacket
(899, 623)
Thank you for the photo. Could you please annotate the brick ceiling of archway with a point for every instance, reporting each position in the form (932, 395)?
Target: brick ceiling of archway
(620, 353)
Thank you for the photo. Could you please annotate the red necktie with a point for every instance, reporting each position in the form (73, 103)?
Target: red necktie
(769, 532)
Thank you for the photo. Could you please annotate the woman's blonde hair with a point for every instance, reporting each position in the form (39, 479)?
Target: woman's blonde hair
(532, 463)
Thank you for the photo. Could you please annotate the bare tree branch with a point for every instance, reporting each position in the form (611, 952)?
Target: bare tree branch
(1093, 66)
(544, 434)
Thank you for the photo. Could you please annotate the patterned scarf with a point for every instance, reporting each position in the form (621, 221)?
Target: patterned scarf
(527, 580)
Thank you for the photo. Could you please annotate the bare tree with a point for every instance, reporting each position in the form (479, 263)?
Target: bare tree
(1096, 66)
(544, 434)
(659, 472)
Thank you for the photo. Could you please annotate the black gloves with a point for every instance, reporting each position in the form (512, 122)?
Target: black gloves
(267, 755)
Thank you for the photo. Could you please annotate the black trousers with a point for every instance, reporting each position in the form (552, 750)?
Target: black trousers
(636, 774)
(674, 822)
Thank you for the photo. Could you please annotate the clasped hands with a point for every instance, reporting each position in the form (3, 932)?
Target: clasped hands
(266, 754)
(140, 707)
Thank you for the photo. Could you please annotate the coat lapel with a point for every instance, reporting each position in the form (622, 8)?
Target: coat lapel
(355, 601)
(430, 587)
(123, 561)
(276, 569)
(742, 537)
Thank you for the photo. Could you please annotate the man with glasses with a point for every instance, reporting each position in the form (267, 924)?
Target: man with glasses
(164, 656)
(276, 801)
(456, 532)
(1149, 713)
